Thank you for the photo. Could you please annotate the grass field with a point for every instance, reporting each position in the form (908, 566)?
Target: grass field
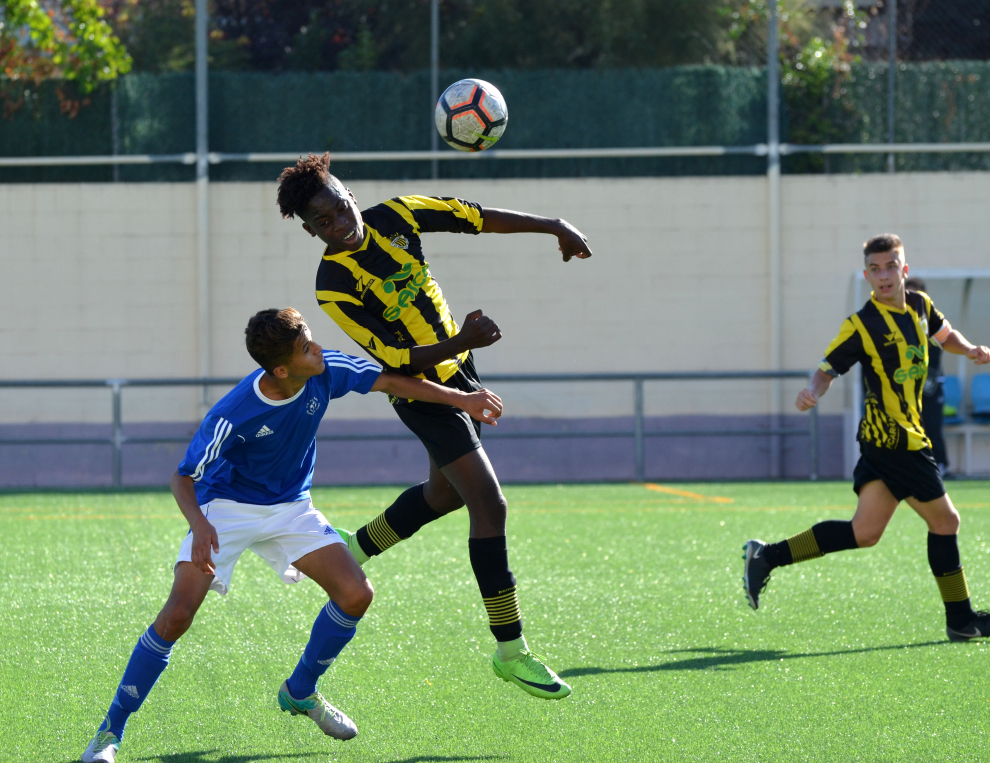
(632, 593)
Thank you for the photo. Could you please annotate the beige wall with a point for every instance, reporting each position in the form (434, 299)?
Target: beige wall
(100, 281)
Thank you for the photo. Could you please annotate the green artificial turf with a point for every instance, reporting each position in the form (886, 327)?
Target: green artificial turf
(632, 594)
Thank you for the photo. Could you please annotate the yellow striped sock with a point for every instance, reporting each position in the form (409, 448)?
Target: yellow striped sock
(504, 608)
(381, 533)
(953, 586)
(804, 546)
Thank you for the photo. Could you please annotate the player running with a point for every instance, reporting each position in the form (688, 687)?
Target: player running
(244, 484)
(375, 282)
(889, 337)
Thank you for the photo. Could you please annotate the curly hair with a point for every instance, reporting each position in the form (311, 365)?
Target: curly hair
(297, 185)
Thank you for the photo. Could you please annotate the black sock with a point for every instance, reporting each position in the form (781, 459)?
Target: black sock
(824, 538)
(943, 558)
(398, 522)
(490, 562)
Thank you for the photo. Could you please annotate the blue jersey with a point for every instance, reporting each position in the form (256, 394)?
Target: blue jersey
(254, 450)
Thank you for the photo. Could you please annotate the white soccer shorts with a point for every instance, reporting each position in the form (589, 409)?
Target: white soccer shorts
(279, 534)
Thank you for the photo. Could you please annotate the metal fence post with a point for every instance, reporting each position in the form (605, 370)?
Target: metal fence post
(434, 82)
(638, 429)
(813, 445)
(118, 435)
(891, 77)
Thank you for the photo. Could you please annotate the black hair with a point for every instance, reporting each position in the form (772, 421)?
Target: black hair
(885, 242)
(298, 184)
(271, 336)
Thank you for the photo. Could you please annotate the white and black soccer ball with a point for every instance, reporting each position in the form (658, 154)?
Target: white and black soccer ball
(471, 115)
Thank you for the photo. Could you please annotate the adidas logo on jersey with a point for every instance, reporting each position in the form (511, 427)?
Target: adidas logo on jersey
(264, 431)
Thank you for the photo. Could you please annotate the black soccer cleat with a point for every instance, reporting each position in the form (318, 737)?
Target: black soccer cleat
(978, 627)
(756, 571)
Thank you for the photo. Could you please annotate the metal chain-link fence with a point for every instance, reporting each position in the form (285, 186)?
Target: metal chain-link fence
(836, 88)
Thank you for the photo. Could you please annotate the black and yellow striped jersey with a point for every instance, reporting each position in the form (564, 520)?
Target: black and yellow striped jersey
(383, 295)
(892, 346)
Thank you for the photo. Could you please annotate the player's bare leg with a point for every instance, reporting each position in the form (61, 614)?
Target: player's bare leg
(149, 658)
(189, 588)
(474, 480)
(874, 508)
(333, 568)
(335, 571)
(415, 508)
(962, 623)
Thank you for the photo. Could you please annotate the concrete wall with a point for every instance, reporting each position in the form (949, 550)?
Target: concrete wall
(99, 280)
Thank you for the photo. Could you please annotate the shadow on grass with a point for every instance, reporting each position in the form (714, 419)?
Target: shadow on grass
(447, 758)
(205, 756)
(721, 658)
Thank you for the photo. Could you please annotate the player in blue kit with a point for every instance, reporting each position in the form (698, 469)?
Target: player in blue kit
(244, 484)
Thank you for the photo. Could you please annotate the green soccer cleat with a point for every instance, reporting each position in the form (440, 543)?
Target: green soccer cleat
(331, 721)
(101, 749)
(353, 546)
(528, 672)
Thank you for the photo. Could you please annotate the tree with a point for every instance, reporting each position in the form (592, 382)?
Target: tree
(395, 34)
(51, 40)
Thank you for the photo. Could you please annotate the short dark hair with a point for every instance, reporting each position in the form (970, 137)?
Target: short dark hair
(885, 242)
(298, 184)
(271, 336)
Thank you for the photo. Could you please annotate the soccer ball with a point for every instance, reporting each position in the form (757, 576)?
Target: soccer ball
(471, 115)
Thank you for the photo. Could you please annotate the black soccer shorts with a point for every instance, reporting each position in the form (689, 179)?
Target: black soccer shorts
(906, 473)
(447, 432)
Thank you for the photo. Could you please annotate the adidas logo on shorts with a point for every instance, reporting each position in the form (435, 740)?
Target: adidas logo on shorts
(264, 431)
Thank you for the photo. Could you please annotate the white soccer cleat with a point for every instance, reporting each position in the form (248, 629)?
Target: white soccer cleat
(331, 721)
(101, 749)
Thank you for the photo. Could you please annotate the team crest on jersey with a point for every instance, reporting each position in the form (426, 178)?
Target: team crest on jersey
(399, 241)
(313, 406)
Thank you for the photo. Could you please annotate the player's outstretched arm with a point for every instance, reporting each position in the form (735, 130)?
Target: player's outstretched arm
(956, 344)
(478, 331)
(483, 405)
(204, 534)
(810, 395)
(572, 243)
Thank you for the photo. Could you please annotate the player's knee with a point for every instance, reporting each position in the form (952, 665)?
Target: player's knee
(948, 523)
(868, 537)
(176, 620)
(443, 500)
(356, 599)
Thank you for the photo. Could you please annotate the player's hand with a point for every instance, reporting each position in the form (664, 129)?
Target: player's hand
(806, 399)
(204, 539)
(483, 405)
(479, 331)
(979, 355)
(573, 243)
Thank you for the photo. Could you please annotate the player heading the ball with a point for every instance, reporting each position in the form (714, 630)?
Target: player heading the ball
(375, 282)
(889, 337)
(244, 484)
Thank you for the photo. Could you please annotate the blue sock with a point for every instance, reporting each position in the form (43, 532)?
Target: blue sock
(331, 632)
(148, 660)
